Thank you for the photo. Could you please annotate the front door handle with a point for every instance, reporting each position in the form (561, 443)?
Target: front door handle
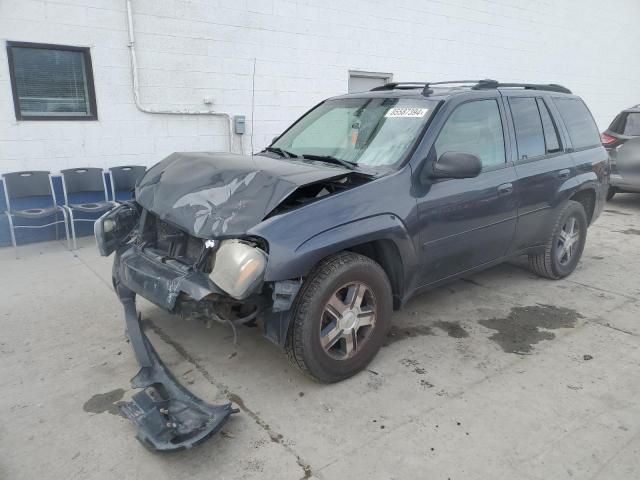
(505, 189)
(564, 173)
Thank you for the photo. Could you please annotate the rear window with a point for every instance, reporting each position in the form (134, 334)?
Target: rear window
(579, 122)
(632, 124)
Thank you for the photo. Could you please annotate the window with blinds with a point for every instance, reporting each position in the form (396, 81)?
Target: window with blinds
(51, 82)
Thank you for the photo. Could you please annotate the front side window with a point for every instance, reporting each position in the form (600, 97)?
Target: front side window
(579, 122)
(528, 127)
(474, 127)
(374, 132)
(51, 82)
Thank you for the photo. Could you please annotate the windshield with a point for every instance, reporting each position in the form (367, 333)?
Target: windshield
(373, 132)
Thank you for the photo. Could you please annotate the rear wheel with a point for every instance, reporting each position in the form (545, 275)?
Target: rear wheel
(564, 248)
(341, 317)
(610, 193)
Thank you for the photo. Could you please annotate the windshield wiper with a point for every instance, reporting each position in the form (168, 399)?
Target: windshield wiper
(330, 159)
(281, 152)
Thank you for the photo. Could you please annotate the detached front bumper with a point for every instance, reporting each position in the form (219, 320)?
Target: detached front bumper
(159, 281)
(168, 417)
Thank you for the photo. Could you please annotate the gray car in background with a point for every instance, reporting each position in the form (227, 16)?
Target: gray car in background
(622, 141)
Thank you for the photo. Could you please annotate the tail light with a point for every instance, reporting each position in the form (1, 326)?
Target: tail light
(607, 140)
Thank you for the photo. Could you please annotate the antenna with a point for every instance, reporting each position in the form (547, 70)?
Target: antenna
(253, 100)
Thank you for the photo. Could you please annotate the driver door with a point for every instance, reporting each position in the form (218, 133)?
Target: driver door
(465, 223)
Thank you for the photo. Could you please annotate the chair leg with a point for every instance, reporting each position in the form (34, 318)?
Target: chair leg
(13, 234)
(73, 228)
(57, 229)
(66, 226)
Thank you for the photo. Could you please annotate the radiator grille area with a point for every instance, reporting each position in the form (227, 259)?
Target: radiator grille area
(171, 241)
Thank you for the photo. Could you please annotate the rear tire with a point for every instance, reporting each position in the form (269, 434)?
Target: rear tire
(564, 248)
(610, 193)
(341, 317)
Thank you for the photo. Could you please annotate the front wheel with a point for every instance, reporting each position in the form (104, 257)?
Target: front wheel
(564, 248)
(610, 193)
(341, 317)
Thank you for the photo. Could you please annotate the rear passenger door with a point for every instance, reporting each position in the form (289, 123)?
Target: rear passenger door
(542, 166)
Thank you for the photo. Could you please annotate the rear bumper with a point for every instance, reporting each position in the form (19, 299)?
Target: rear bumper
(628, 184)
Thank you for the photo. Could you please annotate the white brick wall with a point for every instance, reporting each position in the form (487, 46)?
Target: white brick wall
(190, 49)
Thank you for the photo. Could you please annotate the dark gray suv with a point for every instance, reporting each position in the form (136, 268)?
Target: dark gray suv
(365, 201)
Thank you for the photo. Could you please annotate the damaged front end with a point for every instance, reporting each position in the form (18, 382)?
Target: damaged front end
(184, 245)
(195, 278)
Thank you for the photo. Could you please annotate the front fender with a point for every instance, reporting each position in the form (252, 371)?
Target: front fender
(286, 263)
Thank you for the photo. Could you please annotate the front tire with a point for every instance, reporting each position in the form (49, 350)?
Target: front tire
(564, 248)
(610, 193)
(341, 317)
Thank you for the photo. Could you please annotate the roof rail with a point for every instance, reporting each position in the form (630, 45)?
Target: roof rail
(548, 87)
(403, 86)
(485, 84)
(424, 85)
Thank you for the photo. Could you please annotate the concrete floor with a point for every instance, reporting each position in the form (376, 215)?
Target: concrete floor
(500, 375)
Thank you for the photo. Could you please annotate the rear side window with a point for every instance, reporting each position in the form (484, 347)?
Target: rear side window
(579, 122)
(632, 124)
(551, 140)
(528, 125)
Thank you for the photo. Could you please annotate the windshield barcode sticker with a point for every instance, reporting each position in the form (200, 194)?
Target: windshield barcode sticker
(405, 112)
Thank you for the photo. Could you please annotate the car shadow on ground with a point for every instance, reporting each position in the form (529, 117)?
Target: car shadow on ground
(627, 200)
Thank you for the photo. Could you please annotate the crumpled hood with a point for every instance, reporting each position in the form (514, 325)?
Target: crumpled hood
(221, 194)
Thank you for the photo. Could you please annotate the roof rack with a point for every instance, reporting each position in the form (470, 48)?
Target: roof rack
(424, 85)
(548, 87)
(485, 84)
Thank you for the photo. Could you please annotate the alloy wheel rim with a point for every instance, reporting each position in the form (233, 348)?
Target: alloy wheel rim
(348, 319)
(567, 240)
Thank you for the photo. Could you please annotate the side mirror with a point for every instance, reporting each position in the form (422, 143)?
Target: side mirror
(457, 165)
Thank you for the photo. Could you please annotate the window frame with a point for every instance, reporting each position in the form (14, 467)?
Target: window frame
(91, 93)
(505, 133)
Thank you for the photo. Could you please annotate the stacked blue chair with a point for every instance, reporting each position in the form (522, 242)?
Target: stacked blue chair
(29, 196)
(123, 181)
(85, 191)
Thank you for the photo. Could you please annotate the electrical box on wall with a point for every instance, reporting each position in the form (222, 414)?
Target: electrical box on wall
(239, 124)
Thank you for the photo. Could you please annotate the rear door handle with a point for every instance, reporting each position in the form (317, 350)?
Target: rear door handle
(505, 189)
(564, 173)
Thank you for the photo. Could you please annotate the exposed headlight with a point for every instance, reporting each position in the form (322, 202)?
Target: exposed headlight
(114, 227)
(238, 268)
(108, 225)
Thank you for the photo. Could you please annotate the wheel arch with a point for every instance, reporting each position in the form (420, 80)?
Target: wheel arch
(587, 197)
(383, 238)
(385, 252)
